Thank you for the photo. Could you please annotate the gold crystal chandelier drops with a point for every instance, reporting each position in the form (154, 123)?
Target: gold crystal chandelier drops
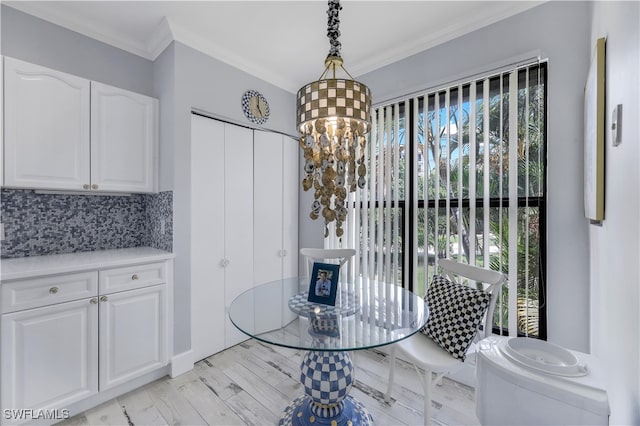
(333, 116)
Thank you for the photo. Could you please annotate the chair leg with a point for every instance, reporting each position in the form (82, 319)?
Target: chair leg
(438, 380)
(392, 370)
(427, 385)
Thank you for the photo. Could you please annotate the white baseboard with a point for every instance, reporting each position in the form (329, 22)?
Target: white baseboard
(181, 363)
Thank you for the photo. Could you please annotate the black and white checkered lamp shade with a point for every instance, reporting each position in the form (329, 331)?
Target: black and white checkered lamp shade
(335, 97)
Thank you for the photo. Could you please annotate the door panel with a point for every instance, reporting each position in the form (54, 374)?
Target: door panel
(238, 209)
(268, 220)
(207, 237)
(123, 140)
(133, 328)
(46, 127)
(52, 353)
(291, 185)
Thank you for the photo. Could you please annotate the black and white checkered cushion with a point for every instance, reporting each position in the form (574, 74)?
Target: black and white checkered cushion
(455, 312)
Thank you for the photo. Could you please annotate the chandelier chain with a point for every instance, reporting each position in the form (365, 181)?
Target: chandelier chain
(333, 27)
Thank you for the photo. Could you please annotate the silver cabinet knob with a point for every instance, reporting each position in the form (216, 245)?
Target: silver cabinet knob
(284, 253)
(103, 298)
(53, 290)
(85, 186)
(93, 301)
(94, 186)
(134, 277)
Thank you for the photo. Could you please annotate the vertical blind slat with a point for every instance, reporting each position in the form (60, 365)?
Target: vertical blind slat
(526, 194)
(414, 194)
(372, 198)
(425, 186)
(380, 196)
(472, 173)
(486, 236)
(460, 174)
(396, 193)
(513, 204)
(447, 128)
(436, 184)
(388, 194)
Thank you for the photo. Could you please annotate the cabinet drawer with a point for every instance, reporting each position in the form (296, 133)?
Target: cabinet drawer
(33, 293)
(130, 277)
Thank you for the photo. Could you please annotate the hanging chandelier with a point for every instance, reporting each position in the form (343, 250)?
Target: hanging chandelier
(333, 115)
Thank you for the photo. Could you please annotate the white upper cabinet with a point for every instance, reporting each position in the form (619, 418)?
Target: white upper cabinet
(123, 140)
(64, 132)
(46, 128)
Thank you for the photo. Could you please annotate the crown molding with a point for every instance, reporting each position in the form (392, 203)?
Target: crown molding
(456, 29)
(47, 12)
(161, 37)
(190, 39)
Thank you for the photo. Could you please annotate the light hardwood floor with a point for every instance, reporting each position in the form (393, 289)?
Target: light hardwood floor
(252, 383)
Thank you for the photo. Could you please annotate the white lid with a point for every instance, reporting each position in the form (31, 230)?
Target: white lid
(584, 391)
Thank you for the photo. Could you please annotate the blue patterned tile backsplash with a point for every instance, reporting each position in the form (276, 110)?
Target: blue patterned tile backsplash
(39, 224)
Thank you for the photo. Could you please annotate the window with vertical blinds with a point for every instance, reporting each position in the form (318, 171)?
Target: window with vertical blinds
(459, 172)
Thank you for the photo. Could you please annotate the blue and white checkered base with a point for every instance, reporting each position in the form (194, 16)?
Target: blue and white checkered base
(299, 412)
(327, 378)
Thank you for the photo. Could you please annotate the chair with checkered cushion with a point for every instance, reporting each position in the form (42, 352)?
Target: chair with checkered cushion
(461, 303)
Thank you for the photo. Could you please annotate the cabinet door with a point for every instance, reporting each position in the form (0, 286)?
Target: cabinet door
(207, 237)
(46, 128)
(51, 355)
(133, 334)
(238, 220)
(124, 140)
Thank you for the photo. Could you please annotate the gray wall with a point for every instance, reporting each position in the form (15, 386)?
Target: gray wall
(182, 78)
(40, 42)
(197, 81)
(615, 246)
(559, 31)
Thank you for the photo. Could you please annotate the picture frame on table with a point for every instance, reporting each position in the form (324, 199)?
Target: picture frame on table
(323, 285)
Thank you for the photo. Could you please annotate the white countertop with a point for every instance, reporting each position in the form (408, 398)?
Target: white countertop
(33, 266)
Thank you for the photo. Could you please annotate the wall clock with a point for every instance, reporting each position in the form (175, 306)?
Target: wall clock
(255, 107)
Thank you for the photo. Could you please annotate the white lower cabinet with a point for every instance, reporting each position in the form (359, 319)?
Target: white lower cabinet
(61, 352)
(133, 327)
(49, 355)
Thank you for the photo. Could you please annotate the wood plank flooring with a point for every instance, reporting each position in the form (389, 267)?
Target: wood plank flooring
(252, 383)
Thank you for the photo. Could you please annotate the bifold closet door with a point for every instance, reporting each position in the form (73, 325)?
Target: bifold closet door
(238, 221)
(221, 230)
(268, 200)
(290, 189)
(276, 225)
(276, 200)
(207, 237)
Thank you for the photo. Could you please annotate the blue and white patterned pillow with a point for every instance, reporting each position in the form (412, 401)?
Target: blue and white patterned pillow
(455, 312)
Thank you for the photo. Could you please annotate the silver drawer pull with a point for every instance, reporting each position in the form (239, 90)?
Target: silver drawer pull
(93, 301)
(53, 290)
(103, 298)
(85, 186)
(134, 276)
(94, 186)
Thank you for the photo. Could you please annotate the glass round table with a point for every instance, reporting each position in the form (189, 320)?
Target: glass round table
(367, 314)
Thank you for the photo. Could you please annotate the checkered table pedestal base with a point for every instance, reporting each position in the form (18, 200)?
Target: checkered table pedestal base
(327, 378)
